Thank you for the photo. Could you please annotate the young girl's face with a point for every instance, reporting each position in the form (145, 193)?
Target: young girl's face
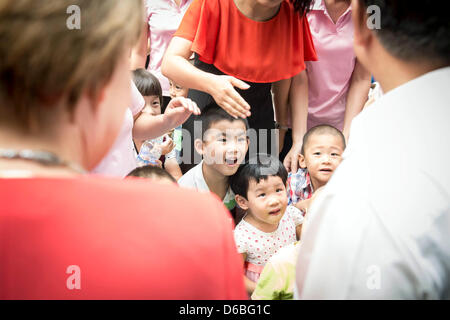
(152, 105)
(266, 201)
(177, 91)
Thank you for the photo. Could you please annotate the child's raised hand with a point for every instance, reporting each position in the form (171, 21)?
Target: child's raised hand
(222, 90)
(167, 146)
(179, 110)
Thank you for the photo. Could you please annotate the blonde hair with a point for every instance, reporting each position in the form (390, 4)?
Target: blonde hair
(44, 64)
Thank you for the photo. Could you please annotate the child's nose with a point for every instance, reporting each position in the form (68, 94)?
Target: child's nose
(326, 158)
(232, 145)
(274, 200)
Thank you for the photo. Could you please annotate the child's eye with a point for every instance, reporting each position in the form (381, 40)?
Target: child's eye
(316, 153)
(178, 88)
(279, 190)
(224, 140)
(335, 155)
(241, 140)
(261, 195)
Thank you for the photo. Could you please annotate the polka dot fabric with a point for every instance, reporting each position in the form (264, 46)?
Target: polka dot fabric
(260, 246)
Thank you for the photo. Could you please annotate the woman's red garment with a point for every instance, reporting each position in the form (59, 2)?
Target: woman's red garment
(249, 50)
(122, 239)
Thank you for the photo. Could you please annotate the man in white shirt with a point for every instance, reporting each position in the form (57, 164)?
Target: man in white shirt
(380, 228)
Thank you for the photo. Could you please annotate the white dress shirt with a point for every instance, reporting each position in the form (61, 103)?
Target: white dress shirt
(381, 227)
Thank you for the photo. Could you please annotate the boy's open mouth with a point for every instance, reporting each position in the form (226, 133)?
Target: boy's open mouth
(326, 170)
(231, 161)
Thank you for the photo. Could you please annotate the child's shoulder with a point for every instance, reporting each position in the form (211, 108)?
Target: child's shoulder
(293, 214)
(193, 178)
(242, 227)
(293, 211)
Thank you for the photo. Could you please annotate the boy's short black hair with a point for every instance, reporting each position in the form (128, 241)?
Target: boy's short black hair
(213, 113)
(413, 30)
(259, 167)
(151, 172)
(147, 84)
(322, 129)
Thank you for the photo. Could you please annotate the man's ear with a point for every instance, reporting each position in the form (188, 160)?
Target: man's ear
(302, 161)
(362, 34)
(241, 201)
(198, 145)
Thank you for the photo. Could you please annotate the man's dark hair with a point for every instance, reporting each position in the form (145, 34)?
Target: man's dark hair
(322, 129)
(147, 84)
(151, 172)
(259, 167)
(212, 113)
(412, 29)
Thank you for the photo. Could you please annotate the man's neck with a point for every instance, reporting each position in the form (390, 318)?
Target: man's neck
(400, 72)
(216, 182)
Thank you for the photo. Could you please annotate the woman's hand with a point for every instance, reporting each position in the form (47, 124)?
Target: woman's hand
(291, 160)
(221, 88)
(179, 110)
(167, 146)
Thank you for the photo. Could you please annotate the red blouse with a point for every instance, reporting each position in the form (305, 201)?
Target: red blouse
(250, 50)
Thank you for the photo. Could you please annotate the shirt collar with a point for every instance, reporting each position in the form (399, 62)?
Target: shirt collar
(200, 183)
(199, 179)
(319, 5)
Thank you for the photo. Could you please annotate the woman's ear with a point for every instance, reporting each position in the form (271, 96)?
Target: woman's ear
(302, 161)
(198, 145)
(241, 201)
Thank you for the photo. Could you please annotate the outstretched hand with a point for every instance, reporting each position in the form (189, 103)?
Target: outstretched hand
(179, 110)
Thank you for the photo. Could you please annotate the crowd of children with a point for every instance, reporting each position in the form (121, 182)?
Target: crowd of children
(269, 204)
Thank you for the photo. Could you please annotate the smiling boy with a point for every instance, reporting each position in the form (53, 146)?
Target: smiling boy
(223, 148)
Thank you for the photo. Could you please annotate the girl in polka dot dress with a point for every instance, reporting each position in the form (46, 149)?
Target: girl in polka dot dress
(269, 223)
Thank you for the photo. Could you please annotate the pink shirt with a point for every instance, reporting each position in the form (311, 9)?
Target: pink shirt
(164, 18)
(121, 159)
(329, 77)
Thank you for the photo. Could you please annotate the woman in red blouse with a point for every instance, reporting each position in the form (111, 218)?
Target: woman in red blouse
(247, 44)
(64, 89)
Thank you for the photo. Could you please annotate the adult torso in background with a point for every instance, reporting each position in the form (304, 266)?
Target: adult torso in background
(330, 76)
(164, 17)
